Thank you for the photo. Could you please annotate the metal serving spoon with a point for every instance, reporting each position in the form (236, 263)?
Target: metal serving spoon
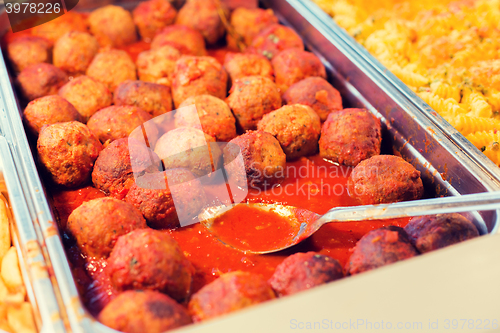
(305, 223)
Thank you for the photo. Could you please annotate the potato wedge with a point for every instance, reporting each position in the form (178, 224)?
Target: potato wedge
(5, 240)
(4, 325)
(11, 274)
(20, 318)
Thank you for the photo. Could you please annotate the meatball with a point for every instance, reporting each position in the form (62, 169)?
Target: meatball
(151, 260)
(153, 15)
(97, 224)
(317, 93)
(212, 115)
(385, 179)
(74, 51)
(198, 76)
(251, 97)
(114, 172)
(49, 110)
(293, 65)
(53, 30)
(68, 151)
(350, 136)
(28, 50)
(112, 67)
(380, 247)
(235, 4)
(190, 148)
(296, 127)
(246, 24)
(302, 271)
(231, 292)
(112, 26)
(168, 199)
(428, 233)
(264, 161)
(203, 15)
(40, 80)
(87, 95)
(158, 65)
(135, 310)
(239, 65)
(150, 97)
(185, 39)
(116, 122)
(275, 38)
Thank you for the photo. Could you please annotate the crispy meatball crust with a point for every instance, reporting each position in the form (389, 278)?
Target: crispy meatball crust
(380, 247)
(68, 151)
(158, 65)
(167, 198)
(74, 51)
(53, 30)
(264, 160)
(428, 233)
(151, 260)
(112, 26)
(185, 39)
(251, 97)
(49, 110)
(198, 76)
(317, 93)
(139, 311)
(350, 136)
(247, 23)
(275, 38)
(239, 65)
(112, 67)
(302, 271)
(153, 98)
(297, 128)
(385, 179)
(40, 80)
(87, 95)
(97, 224)
(113, 171)
(28, 50)
(293, 65)
(152, 16)
(232, 291)
(212, 115)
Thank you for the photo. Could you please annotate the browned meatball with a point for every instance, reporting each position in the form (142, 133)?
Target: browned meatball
(153, 15)
(429, 233)
(158, 65)
(296, 127)
(185, 39)
(40, 80)
(203, 15)
(212, 115)
(293, 65)
(317, 93)
(264, 161)
(385, 179)
(114, 172)
(380, 247)
(112, 26)
(190, 148)
(138, 311)
(232, 291)
(49, 110)
(53, 30)
(97, 224)
(151, 260)
(87, 95)
(247, 23)
(350, 136)
(239, 65)
(168, 199)
(302, 271)
(68, 151)
(198, 76)
(251, 97)
(112, 67)
(116, 122)
(28, 50)
(275, 38)
(74, 51)
(150, 97)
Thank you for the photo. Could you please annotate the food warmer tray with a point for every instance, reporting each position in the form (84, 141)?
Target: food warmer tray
(445, 169)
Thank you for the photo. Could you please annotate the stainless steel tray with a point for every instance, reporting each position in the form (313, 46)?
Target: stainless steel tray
(445, 169)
